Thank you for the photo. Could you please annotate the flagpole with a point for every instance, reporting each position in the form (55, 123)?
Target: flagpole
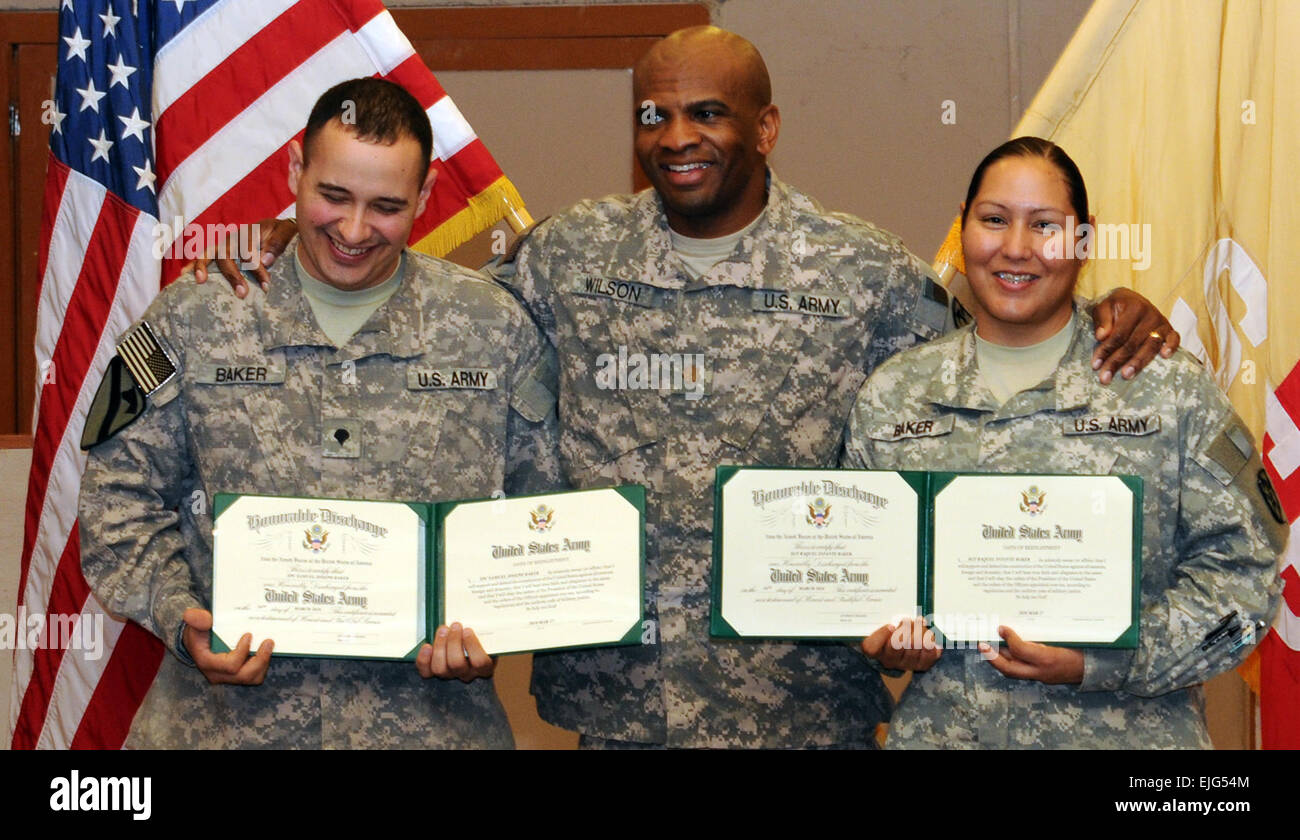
(518, 217)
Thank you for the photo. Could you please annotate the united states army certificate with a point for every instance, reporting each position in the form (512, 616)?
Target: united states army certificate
(815, 553)
(1050, 556)
(320, 577)
(535, 573)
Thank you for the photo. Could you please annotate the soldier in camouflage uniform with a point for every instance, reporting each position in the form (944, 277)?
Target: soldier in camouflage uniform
(669, 369)
(1212, 528)
(262, 400)
(787, 326)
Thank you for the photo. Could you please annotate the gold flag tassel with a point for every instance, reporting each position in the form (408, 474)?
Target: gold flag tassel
(948, 261)
(500, 200)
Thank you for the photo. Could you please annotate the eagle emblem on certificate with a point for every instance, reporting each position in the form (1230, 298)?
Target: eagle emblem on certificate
(541, 519)
(315, 539)
(1033, 503)
(819, 513)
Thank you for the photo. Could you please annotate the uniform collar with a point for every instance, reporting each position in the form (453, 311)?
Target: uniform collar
(648, 256)
(396, 328)
(1072, 385)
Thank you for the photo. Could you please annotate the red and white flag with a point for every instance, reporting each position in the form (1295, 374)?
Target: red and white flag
(171, 113)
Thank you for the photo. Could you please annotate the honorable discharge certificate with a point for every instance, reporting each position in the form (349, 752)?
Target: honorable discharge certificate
(814, 553)
(320, 577)
(1051, 557)
(544, 572)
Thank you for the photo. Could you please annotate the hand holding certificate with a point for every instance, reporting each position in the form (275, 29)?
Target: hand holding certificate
(235, 667)
(370, 579)
(847, 553)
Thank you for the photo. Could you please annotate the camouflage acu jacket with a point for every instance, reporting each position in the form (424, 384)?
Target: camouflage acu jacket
(663, 378)
(255, 406)
(1212, 532)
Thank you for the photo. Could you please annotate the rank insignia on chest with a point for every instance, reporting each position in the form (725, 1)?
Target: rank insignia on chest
(341, 437)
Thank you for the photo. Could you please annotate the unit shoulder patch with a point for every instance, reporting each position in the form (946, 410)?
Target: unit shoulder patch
(118, 402)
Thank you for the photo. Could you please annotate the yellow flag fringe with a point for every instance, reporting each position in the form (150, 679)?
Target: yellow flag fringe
(483, 210)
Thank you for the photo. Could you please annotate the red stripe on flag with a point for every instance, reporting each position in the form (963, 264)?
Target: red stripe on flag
(1291, 590)
(1279, 695)
(357, 13)
(56, 179)
(476, 167)
(120, 690)
(65, 589)
(473, 170)
(88, 308)
(418, 81)
(224, 93)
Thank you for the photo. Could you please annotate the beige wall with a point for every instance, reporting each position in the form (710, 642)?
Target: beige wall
(13, 464)
(861, 112)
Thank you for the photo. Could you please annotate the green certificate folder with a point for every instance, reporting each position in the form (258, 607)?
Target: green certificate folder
(373, 580)
(836, 554)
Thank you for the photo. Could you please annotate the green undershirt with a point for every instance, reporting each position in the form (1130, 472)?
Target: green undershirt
(702, 254)
(341, 313)
(1007, 371)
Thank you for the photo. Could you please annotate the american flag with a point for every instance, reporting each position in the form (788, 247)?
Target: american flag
(168, 109)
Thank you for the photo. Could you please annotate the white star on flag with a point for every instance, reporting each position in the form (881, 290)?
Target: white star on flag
(77, 45)
(102, 145)
(110, 23)
(133, 126)
(120, 73)
(146, 176)
(55, 117)
(90, 97)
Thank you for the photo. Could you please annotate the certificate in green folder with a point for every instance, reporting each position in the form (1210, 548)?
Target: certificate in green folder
(373, 580)
(836, 554)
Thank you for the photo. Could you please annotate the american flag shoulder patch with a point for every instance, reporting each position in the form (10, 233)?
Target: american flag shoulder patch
(145, 358)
